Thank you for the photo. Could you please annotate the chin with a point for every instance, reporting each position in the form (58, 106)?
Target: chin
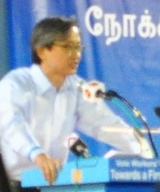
(72, 72)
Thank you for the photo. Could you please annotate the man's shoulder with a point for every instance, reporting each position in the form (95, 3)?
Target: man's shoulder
(75, 78)
(19, 76)
(17, 72)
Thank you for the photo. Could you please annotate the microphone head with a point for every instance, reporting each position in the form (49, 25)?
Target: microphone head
(76, 146)
(91, 90)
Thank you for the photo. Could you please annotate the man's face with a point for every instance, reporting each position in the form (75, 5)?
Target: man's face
(64, 56)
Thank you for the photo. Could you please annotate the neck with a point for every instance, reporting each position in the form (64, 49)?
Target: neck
(56, 79)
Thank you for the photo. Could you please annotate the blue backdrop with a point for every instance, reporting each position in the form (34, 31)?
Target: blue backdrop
(121, 39)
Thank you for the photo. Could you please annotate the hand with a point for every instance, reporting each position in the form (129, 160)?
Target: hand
(49, 166)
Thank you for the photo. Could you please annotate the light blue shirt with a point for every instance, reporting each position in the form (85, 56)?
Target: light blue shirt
(36, 118)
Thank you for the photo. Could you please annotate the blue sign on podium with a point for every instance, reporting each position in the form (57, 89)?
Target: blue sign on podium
(97, 174)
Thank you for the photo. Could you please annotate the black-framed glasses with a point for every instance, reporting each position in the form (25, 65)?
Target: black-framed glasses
(70, 46)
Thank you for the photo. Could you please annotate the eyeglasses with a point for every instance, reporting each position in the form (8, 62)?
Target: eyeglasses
(70, 47)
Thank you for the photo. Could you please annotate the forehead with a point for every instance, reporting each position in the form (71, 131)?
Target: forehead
(74, 34)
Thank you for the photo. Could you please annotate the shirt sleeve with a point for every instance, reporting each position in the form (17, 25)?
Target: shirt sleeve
(14, 128)
(94, 117)
(97, 114)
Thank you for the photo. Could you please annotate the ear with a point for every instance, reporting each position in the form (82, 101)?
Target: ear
(40, 52)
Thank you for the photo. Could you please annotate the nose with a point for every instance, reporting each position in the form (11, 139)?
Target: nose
(79, 55)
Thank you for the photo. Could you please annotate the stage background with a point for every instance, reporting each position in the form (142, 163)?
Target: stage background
(4, 55)
(122, 46)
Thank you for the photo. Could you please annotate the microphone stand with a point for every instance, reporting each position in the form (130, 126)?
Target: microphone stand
(138, 114)
(112, 94)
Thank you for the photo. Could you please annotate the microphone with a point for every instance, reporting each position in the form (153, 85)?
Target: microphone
(77, 146)
(108, 95)
(92, 91)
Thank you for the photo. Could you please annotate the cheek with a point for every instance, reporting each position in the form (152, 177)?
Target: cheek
(62, 63)
(60, 56)
(57, 59)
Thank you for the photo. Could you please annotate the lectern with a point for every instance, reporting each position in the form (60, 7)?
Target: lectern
(118, 174)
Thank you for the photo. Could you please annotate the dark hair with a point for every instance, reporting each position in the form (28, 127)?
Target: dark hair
(48, 31)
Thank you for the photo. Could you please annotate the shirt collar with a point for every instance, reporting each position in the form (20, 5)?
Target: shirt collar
(39, 78)
(65, 85)
(43, 83)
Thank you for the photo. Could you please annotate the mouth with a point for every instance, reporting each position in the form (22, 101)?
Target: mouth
(74, 65)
